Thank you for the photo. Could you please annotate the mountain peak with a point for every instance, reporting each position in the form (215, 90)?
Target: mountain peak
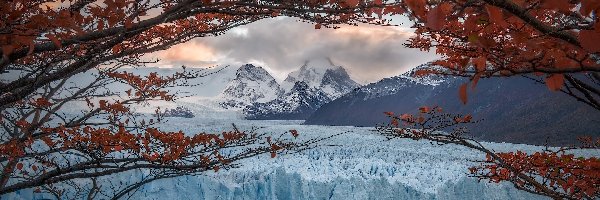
(319, 63)
(300, 86)
(247, 67)
(251, 84)
(322, 74)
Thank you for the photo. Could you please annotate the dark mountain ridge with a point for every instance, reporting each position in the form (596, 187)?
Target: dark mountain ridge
(514, 109)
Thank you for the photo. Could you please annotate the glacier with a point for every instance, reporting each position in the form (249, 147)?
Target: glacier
(358, 164)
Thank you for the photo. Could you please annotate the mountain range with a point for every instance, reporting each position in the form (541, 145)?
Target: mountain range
(515, 109)
(259, 96)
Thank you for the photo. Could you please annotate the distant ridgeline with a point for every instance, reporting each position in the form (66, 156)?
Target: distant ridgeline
(516, 109)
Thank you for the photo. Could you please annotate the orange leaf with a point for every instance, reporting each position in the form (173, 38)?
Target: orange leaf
(417, 6)
(555, 81)
(559, 5)
(496, 15)
(7, 49)
(435, 19)
(475, 80)
(480, 63)
(100, 25)
(317, 26)
(116, 49)
(424, 109)
(20, 166)
(589, 39)
(54, 40)
(31, 47)
(462, 93)
(587, 6)
(128, 23)
(395, 122)
(294, 133)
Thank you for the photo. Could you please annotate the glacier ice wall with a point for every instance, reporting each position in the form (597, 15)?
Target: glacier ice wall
(357, 165)
(282, 185)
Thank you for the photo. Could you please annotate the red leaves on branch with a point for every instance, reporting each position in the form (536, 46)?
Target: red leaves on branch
(424, 109)
(577, 177)
(555, 173)
(509, 38)
(54, 40)
(435, 18)
(587, 6)
(418, 7)
(589, 39)
(41, 103)
(294, 133)
(563, 6)
(149, 86)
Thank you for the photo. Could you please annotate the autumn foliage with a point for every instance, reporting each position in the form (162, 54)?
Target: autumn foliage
(556, 40)
(554, 172)
(44, 44)
(553, 42)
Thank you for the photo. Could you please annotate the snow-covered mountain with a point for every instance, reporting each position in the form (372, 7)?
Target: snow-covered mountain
(324, 75)
(297, 103)
(303, 91)
(251, 84)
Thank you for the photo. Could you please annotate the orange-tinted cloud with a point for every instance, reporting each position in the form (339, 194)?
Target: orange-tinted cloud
(283, 44)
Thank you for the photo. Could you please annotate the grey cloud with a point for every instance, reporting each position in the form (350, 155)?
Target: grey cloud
(284, 44)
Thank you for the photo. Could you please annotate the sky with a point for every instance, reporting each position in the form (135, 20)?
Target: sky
(281, 45)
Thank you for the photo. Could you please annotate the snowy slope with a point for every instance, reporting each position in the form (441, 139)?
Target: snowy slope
(316, 83)
(297, 104)
(393, 85)
(212, 84)
(252, 84)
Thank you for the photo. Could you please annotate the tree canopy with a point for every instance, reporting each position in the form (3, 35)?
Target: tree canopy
(44, 43)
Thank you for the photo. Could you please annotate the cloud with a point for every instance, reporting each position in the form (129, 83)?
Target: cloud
(283, 44)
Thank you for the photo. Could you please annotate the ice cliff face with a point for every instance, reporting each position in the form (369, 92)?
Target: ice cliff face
(251, 85)
(298, 103)
(356, 165)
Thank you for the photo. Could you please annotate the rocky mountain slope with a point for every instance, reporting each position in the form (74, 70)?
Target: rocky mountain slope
(256, 92)
(324, 75)
(298, 103)
(515, 109)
